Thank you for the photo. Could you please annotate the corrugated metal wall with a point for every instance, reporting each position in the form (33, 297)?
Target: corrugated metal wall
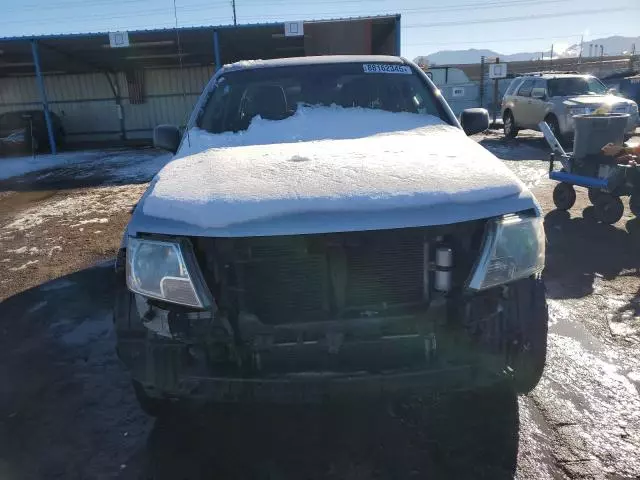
(88, 109)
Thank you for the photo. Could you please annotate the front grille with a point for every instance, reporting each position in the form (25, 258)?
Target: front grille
(387, 273)
(318, 277)
(311, 278)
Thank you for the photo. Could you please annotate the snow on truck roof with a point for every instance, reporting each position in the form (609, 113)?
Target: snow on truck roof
(314, 60)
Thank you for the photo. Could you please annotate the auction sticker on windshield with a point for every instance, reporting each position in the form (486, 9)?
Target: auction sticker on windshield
(386, 68)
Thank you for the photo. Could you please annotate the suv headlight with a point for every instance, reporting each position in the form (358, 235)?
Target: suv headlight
(165, 270)
(513, 248)
(573, 111)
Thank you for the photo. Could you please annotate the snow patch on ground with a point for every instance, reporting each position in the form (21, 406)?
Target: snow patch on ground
(91, 220)
(95, 203)
(24, 266)
(557, 312)
(116, 165)
(16, 166)
(296, 166)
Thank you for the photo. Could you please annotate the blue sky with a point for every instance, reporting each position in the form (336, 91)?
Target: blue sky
(507, 26)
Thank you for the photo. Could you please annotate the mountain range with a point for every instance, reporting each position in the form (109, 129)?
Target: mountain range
(616, 45)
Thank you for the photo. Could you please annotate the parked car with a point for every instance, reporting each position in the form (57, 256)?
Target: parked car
(26, 131)
(556, 98)
(327, 231)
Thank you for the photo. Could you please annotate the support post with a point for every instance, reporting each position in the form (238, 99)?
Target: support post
(216, 50)
(496, 101)
(43, 96)
(398, 36)
(482, 60)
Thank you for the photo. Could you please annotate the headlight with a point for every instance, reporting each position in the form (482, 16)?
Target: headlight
(513, 248)
(573, 111)
(158, 269)
(633, 107)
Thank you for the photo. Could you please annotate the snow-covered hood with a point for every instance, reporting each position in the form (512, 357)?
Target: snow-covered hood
(428, 175)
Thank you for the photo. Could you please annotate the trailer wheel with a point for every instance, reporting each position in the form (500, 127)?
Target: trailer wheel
(634, 204)
(564, 196)
(593, 195)
(608, 208)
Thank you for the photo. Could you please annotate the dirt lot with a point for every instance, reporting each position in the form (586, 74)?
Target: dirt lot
(66, 410)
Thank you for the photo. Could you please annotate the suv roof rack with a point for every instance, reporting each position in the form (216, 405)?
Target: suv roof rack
(548, 72)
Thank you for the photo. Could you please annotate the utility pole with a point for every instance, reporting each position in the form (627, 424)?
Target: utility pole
(551, 56)
(580, 54)
(233, 5)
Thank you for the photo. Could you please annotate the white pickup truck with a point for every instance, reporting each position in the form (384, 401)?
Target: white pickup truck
(326, 231)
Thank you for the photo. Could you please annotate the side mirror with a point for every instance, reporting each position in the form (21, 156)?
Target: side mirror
(539, 93)
(612, 91)
(166, 137)
(474, 120)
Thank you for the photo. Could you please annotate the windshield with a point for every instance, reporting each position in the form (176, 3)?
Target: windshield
(564, 87)
(276, 93)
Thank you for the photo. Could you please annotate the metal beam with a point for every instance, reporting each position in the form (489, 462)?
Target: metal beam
(43, 96)
(216, 49)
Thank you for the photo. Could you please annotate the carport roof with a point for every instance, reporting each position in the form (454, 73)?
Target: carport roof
(91, 52)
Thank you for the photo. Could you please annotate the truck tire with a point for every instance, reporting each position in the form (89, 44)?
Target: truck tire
(608, 208)
(152, 406)
(564, 196)
(531, 317)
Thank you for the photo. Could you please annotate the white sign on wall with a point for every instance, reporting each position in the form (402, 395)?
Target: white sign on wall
(497, 70)
(118, 39)
(457, 92)
(293, 29)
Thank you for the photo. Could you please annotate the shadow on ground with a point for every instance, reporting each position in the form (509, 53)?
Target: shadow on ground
(471, 435)
(532, 147)
(67, 411)
(580, 248)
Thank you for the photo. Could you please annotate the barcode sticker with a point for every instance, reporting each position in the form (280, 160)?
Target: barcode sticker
(386, 68)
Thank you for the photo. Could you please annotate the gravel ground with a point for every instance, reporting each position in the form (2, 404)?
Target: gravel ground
(66, 410)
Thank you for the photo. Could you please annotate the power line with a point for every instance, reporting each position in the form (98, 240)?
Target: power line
(113, 17)
(455, 8)
(520, 18)
(83, 4)
(198, 7)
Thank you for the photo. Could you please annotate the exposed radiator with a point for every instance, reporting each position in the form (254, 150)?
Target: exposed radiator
(318, 277)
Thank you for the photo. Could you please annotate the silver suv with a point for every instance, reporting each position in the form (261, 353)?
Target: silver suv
(556, 98)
